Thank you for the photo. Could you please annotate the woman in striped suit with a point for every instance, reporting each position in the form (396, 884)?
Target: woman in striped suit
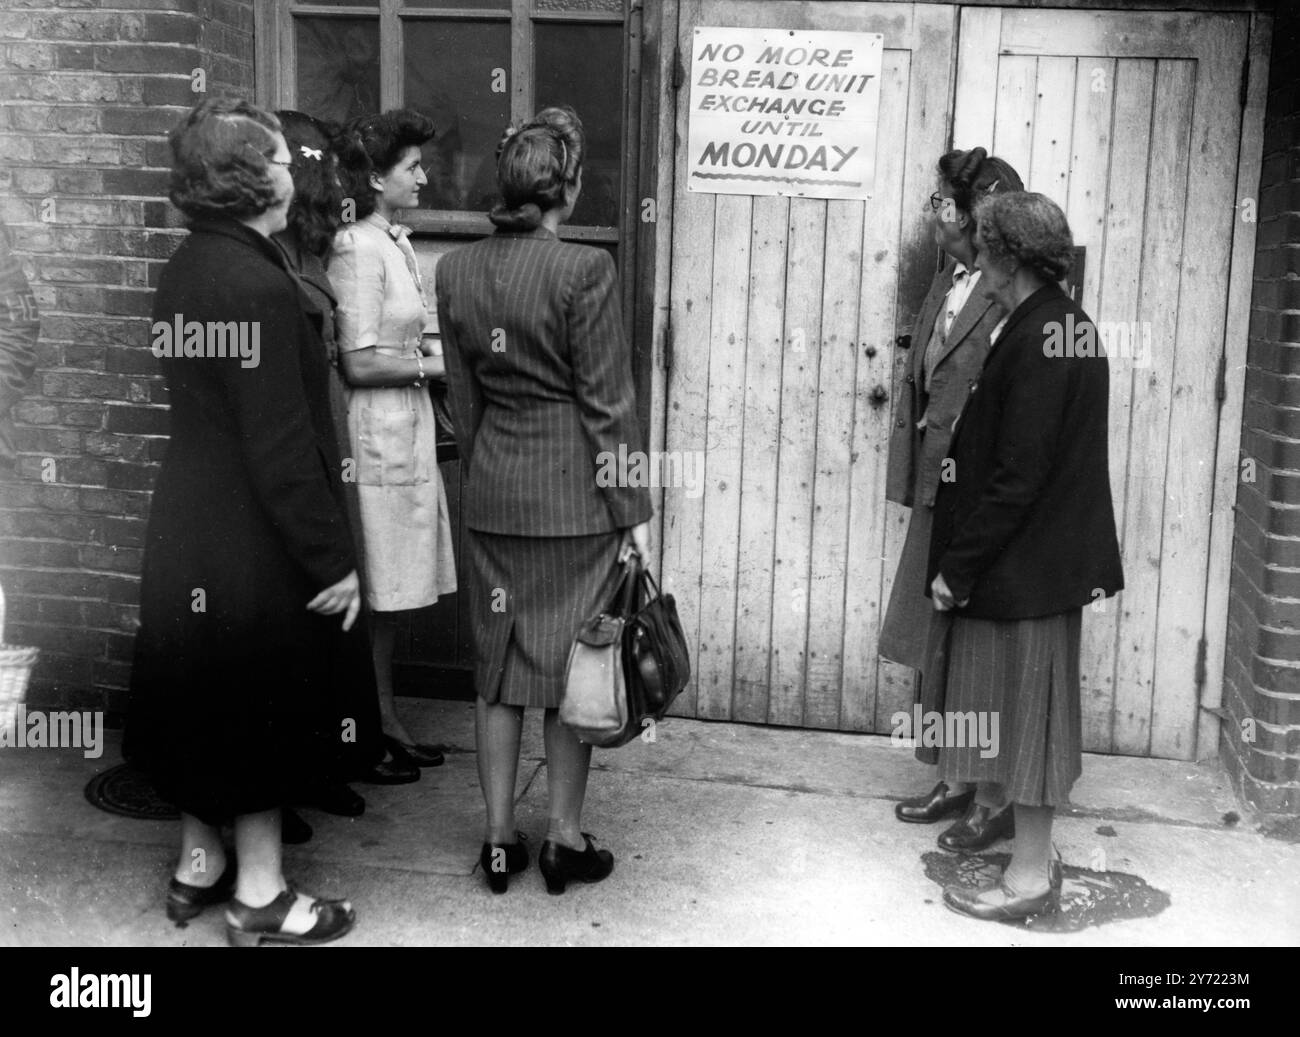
(1023, 538)
(540, 381)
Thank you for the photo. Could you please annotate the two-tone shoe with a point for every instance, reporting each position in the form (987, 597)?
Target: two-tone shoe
(185, 902)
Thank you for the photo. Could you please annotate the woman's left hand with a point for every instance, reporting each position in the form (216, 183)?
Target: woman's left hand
(344, 596)
(942, 595)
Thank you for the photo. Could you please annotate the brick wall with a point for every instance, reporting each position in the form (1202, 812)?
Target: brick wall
(1260, 743)
(88, 91)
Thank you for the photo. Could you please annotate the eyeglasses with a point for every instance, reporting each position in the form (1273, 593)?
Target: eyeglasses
(936, 201)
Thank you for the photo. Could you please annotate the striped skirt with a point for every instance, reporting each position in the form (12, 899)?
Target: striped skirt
(1020, 679)
(528, 596)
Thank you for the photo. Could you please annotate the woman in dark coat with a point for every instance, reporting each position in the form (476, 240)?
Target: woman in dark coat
(950, 340)
(540, 378)
(250, 595)
(1023, 538)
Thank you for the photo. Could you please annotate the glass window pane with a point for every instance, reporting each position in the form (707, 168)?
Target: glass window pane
(612, 6)
(343, 3)
(338, 66)
(582, 66)
(457, 73)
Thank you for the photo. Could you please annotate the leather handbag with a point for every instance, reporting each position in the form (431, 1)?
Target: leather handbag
(627, 665)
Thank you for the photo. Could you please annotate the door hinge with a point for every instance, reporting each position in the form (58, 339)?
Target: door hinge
(668, 347)
(679, 69)
(1221, 385)
(1201, 648)
(1245, 80)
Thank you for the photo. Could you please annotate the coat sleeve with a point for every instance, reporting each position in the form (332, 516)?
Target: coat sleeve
(464, 395)
(602, 374)
(277, 440)
(1026, 445)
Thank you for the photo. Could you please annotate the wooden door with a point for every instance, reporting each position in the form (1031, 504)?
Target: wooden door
(1131, 122)
(783, 318)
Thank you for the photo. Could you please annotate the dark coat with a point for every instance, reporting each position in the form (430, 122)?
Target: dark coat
(240, 695)
(1026, 528)
(916, 460)
(540, 384)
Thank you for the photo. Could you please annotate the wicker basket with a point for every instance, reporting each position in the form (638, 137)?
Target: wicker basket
(16, 662)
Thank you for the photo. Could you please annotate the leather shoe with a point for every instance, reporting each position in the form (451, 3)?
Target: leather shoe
(396, 768)
(185, 901)
(940, 803)
(979, 829)
(497, 868)
(419, 754)
(999, 904)
(336, 798)
(560, 864)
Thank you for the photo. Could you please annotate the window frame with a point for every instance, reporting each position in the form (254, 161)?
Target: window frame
(277, 83)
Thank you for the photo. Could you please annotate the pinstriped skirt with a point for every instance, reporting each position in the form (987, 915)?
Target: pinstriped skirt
(1022, 675)
(528, 596)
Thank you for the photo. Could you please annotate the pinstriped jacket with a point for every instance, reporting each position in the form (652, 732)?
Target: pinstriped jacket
(540, 385)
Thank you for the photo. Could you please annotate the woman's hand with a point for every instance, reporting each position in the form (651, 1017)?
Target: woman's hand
(344, 596)
(942, 595)
(638, 539)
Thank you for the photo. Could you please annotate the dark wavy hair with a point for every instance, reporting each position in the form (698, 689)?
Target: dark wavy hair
(1027, 229)
(220, 160)
(374, 144)
(535, 163)
(975, 174)
(317, 205)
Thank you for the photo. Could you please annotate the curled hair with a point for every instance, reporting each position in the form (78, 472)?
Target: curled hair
(375, 144)
(317, 206)
(221, 155)
(1027, 229)
(975, 174)
(534, 166)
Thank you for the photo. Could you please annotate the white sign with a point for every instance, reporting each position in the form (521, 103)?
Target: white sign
(784, 112)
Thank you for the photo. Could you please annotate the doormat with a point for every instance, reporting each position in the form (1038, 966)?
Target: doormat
(125, 791)
(1087, 897)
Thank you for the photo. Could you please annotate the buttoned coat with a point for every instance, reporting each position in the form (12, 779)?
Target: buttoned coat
(916, 460)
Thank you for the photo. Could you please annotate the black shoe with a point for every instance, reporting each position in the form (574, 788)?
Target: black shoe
(396, 768)
(925, 810)
(419, 754)
(501, 860)
(336, 798)
(980, 828)
(293, 829)
(1009, 908)
(185, 902)
(561, 865)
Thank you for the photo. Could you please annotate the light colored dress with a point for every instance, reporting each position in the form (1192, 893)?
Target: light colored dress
(392, 430)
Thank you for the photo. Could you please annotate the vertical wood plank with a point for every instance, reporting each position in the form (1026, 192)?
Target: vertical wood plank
(1210, 94)
(721, 448)
(1240, 281)
(1144, 511)
(1118, 269)
(758, 476)
(1053, 127)
(796, 459)
(877, 291)
(1013, 126)
(975, 105)
(1090, 155)
(687, 393)
(838, 350)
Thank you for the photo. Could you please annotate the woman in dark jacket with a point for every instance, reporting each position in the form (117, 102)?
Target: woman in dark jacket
(250, 594)
(950, 340)
(541, 386)
(1023, 538)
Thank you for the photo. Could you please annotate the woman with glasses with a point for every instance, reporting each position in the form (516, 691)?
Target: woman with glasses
(949, 342)
(388, 349)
